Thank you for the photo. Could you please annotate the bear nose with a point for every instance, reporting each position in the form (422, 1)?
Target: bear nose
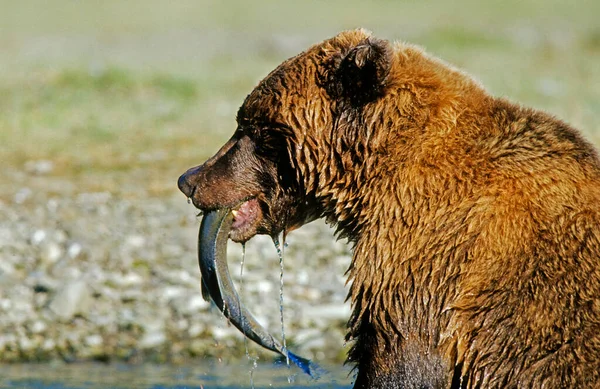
(184, 182)
(184, 186)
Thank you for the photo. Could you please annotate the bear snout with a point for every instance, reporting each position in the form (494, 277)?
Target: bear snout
(184, 182)
(208, 188)
(223, 181)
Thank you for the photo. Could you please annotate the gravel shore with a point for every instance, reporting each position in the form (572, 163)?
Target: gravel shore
(98, 276)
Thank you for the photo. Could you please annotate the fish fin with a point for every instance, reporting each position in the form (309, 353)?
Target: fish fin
(306, 365)
(205, 291)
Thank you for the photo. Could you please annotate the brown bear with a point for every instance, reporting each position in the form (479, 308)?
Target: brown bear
(474, 222)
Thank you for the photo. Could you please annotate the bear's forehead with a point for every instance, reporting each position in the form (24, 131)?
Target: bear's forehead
(285, 88)
(295, 85)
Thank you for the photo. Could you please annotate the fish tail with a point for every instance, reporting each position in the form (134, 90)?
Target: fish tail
(306, 365)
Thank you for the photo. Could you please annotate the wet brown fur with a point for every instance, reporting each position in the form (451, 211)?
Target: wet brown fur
(475, 222)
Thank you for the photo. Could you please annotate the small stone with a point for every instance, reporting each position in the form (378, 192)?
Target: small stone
(39, 167)
(313, 294)
(152, 339)
(127, 280)
(198, 346)
(52, 205)
(94, 198)
(197, 303)
(38, 237)
(224, 333)
(189, 305)
(7, 339)
(5, 304)
(94, 340)
(171, 292)
(129, 295)
(195, 329)
(126, 316)
(135, 241)
(74, 250)
(331, 312)
(7, 271)
(38, 327)
(26, 344)
(50, 253)
(22, 195)
(48, 345)
(60, 236)
(264, 286)
(73, 298)
(303, 278)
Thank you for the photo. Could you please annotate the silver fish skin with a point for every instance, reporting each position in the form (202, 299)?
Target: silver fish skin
(216, 280)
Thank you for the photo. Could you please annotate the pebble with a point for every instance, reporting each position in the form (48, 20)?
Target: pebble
(189, 304)
(92, 274)
(38, 237)
(50, 253)
(22, 195)
(195, 329)
(93, 340)
(75, 250)
(39, 167)
(75, 297)
(333, 312)
(38, 327)
(152, 339)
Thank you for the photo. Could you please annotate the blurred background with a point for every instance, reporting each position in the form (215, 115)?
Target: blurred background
(103, 104)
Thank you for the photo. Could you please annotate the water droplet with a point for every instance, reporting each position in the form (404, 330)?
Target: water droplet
(280, 254)
(250, 358)
(241, 290)
(278, 247)
(189, 200)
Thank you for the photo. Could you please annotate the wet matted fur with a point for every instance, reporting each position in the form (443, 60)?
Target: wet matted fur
(475, 222)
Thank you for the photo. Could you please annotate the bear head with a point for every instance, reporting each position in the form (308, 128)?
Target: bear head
(293, 144)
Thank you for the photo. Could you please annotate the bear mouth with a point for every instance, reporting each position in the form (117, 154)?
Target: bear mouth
(246, 218)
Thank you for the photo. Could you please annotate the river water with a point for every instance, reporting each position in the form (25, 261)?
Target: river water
(198, 376)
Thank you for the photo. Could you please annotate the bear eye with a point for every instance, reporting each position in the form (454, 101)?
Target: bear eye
(257, 134)
(263, 139)
(267, 142)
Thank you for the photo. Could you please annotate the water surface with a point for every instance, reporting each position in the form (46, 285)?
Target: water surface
(202, 375)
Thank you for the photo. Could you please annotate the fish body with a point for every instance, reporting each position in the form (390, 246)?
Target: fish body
(217, 283)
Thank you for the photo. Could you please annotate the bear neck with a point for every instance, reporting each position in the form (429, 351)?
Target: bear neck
(386, 191)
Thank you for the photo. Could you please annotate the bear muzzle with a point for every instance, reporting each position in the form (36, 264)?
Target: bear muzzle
(185, 183)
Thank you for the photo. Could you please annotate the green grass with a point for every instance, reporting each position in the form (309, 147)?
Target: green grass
(91, 106)
(92, 122)
(124, 96)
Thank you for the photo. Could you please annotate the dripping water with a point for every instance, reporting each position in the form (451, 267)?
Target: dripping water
(251, 359)
(279, 248)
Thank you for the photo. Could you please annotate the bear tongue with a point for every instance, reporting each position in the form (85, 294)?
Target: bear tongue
(245, 214)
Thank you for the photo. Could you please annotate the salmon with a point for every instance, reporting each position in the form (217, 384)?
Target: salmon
(217, 283)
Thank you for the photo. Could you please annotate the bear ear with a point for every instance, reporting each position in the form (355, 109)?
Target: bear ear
(362, 73)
